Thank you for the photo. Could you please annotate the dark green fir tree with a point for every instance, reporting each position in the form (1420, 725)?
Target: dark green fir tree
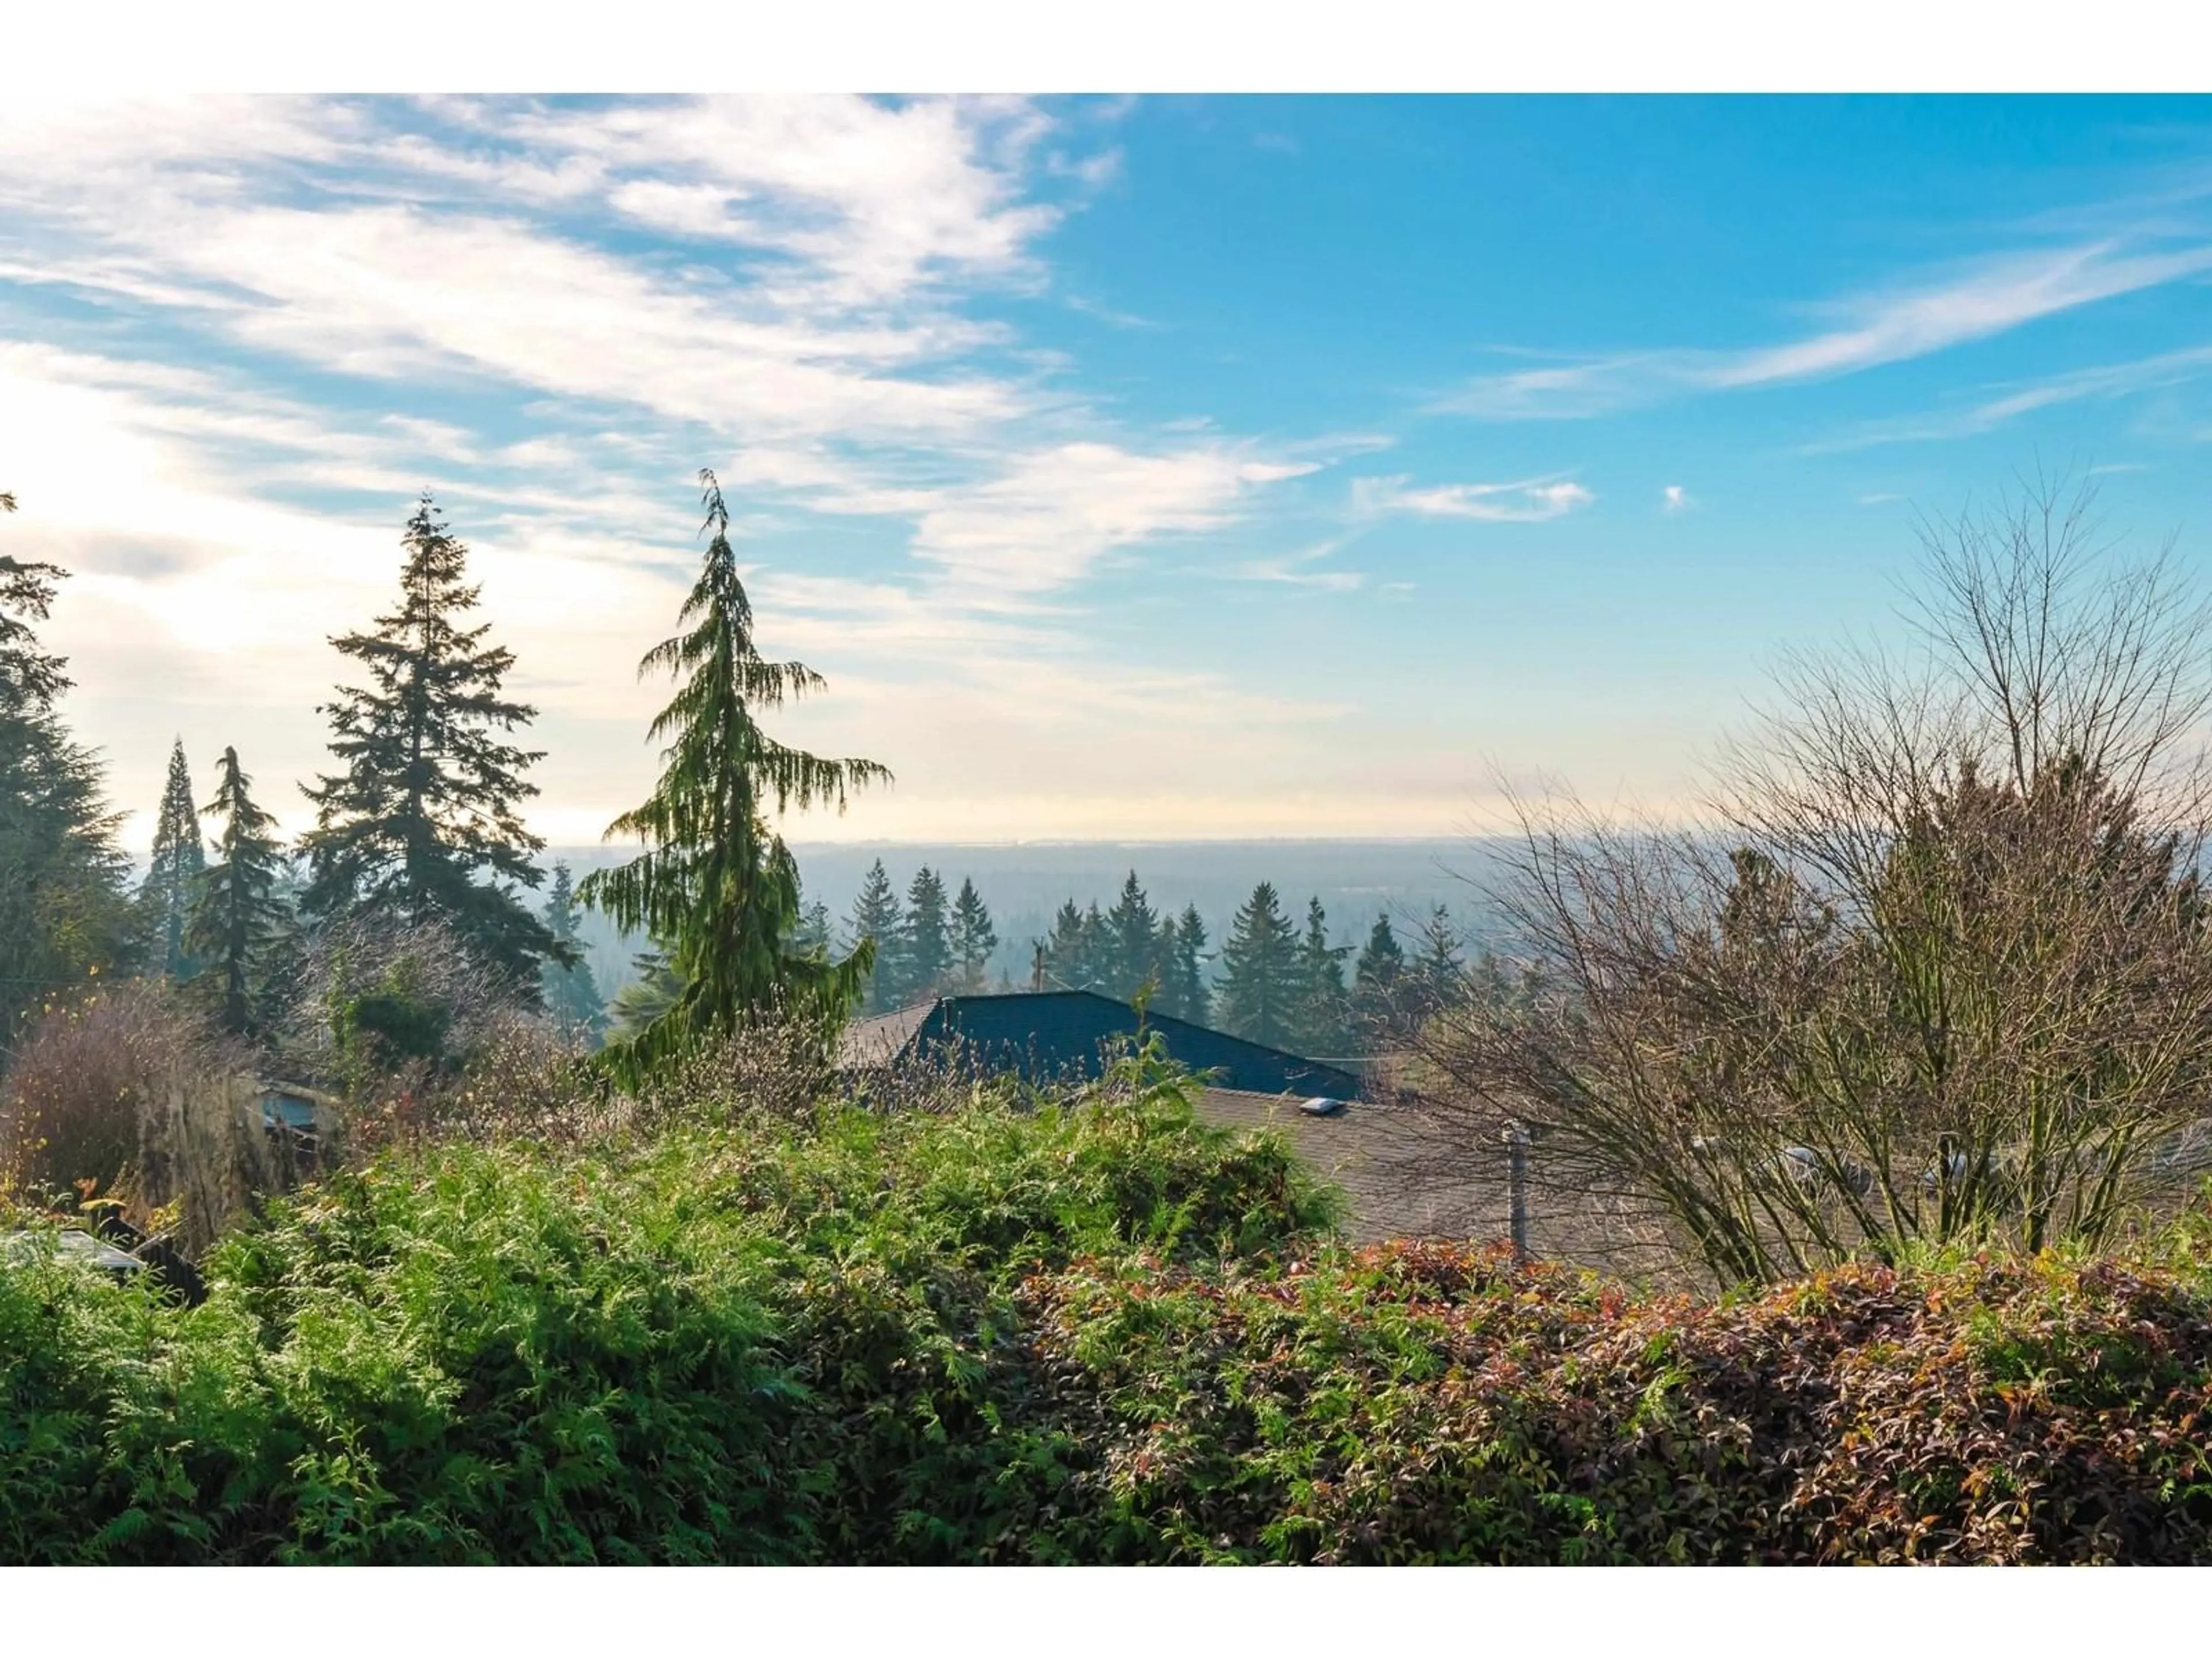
(239, 919)
(1132, 942)
(421, 820)
(928, 941)
(1437, 974)
(173, 873)
(973, 938)
(1183, 990)
(1378, 985)
(570, 992)
(812, 936)
(1261, 991)
(716, 886)
(1067, 964)
(1323, 1018)
(878, 924)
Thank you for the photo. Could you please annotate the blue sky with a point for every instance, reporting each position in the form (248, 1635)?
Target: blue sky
(1154, 468)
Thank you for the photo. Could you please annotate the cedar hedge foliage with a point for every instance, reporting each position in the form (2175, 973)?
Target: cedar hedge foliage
(1090, 1334)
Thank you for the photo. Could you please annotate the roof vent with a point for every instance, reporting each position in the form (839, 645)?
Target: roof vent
(1322, 1106)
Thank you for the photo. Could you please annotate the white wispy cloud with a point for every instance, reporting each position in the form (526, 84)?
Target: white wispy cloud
(549, 313)
(1531, 501)
(873, 199)
(1106, 314)
(1986, 298)
(1047, 520)
(1297, 571)
(1988, 412)
(1673, 498)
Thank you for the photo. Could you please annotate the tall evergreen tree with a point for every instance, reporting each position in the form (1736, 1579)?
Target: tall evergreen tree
(1182, 953)
(172, 874)
(570, 991)
(1071, 954)
(811, 938)
(1131, 941)
(1437, 974)
(1323, 1013)
(64, 918)
(928, 933)
(1261, 985)
(715, 884)
(237, 919)
(421, 819)
(1377, 983)
(879, 926)
(1094, 947)
(973, 938)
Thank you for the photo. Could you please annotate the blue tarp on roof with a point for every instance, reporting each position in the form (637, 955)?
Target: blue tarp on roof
(1044, 1034)
(292, 1111)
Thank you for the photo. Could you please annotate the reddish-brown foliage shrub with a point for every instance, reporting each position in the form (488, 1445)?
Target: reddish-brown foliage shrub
(1420, 1402)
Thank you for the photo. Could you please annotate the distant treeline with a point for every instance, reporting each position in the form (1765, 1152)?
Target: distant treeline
(1269, 981)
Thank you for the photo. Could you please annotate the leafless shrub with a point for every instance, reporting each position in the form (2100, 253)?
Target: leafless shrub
(771, 1065)
(378, 1002)
(953, 1073)
(784, 1064)
(1942, 969)
(523, 1078)
(132, 1094)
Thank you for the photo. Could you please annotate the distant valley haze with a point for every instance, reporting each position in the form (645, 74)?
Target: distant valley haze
(1025, 883)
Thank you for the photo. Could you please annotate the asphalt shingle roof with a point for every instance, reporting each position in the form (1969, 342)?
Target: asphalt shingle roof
(1047, 1033)
(1370, 1151)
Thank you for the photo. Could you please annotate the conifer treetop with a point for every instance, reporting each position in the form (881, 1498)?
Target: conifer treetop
(714, 882)
(423, 817)
(174, 869)
(235, 915)
(31, 677)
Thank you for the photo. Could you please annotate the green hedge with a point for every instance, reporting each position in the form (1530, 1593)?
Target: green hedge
(1089, 1335)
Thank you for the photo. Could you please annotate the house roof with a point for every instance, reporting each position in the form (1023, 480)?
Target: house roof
(882, 1038)
(270, 1086)
(1369, 1150)
(71, 1243)
(1045, 1032)
(1411, 1169)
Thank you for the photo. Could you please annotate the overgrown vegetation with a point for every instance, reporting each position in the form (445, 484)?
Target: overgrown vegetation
(756, 1329)
(1925, 1032)
(1941, 975)
(127, 1094)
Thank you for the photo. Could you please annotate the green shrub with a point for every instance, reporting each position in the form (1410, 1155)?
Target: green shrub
(1095, 1332)
(764, 1343)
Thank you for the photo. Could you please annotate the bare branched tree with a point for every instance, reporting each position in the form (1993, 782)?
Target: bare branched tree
(1936, 968)
(373, 995)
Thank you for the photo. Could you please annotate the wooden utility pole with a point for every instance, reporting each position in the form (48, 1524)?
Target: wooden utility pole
(1517, 1190)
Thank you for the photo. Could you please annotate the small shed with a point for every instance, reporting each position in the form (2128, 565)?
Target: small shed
(298, 1120)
